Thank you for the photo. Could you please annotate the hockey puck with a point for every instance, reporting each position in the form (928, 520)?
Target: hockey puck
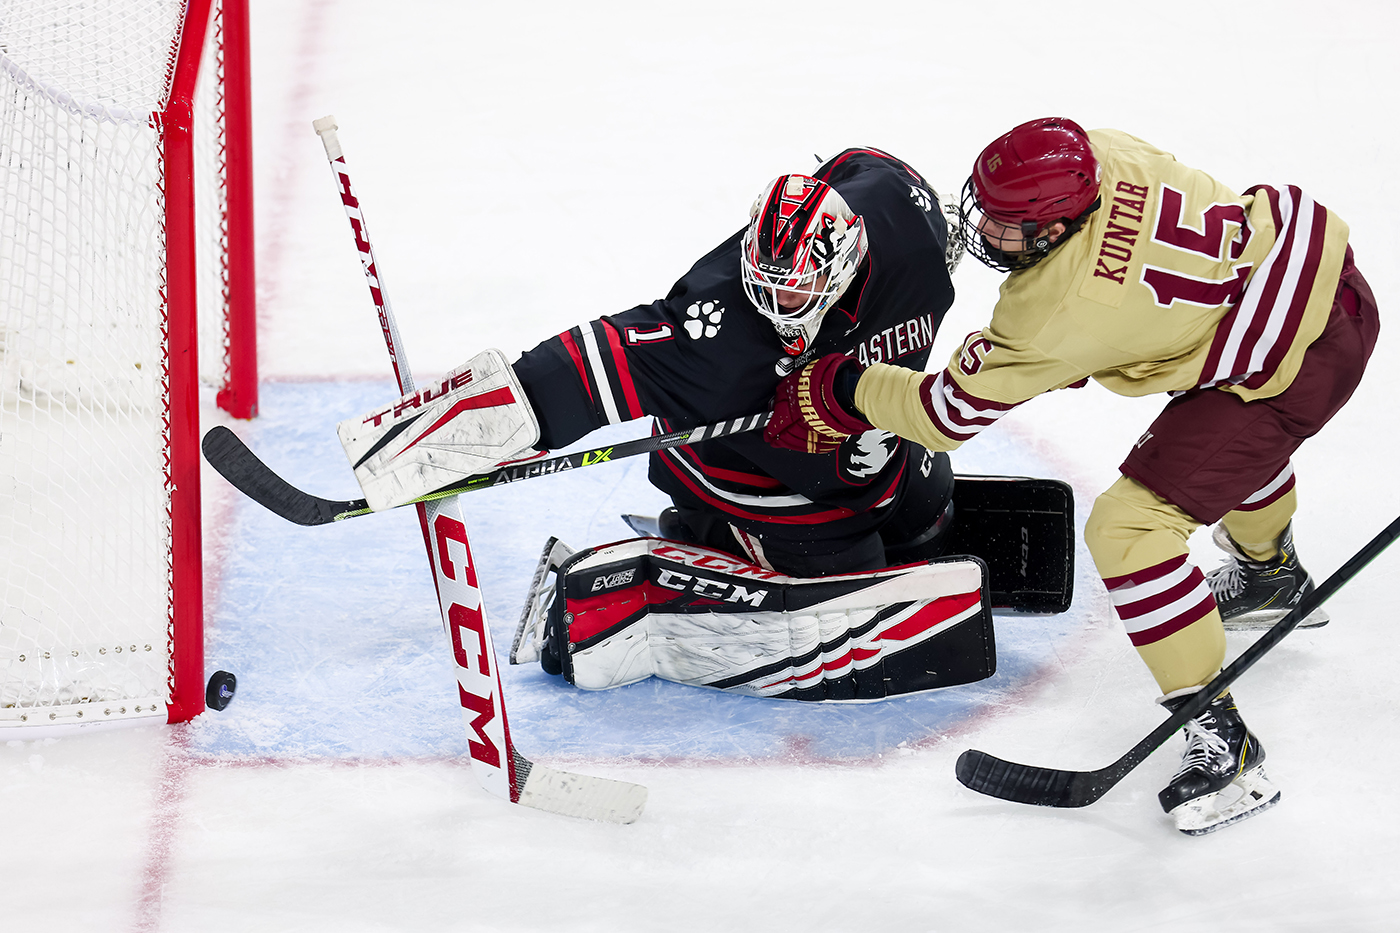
(220, 691)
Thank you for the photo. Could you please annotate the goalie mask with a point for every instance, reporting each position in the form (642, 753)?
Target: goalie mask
(802, 248)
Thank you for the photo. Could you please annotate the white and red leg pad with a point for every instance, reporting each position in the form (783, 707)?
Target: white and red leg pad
(474, 418)
(650, 607)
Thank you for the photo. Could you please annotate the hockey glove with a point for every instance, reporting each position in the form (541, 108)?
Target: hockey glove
(813, 411)
(476, 418)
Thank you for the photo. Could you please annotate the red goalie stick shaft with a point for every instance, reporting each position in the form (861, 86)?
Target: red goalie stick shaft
(494, 759)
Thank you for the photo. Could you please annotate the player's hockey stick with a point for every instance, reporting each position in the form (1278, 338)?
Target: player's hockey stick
(256, 480)
(1051, 787)
(494, 758)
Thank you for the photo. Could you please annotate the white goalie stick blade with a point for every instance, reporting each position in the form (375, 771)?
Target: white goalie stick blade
(475, 418)
(582, 796)
(497, 764)
(529, 632)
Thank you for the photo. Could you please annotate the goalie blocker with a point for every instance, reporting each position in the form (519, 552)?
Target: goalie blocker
(623, 612)
(474, 419)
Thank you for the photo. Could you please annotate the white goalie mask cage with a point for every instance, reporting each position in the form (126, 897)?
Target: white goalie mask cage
(802, 238)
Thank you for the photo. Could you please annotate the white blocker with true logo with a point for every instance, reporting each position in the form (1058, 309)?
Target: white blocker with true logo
(473, 419)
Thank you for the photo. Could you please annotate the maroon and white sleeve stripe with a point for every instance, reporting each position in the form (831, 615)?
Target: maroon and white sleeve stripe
(1161, 600)
(957, 414)
(1253, 338)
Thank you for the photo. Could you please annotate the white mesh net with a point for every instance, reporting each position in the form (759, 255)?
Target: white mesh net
(84, 505)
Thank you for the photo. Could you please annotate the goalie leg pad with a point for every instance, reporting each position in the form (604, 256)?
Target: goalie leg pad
(475, 418)
(648, 607)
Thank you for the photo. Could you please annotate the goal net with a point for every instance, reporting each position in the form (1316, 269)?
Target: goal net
(124, 207)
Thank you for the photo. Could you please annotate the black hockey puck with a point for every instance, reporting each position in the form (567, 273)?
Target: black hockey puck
(217, 695)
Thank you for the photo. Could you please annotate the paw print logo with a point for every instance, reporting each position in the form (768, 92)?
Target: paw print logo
(921, 197)
(705, 317)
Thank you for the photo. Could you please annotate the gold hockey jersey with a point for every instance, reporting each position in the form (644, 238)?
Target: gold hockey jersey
(1174, 283)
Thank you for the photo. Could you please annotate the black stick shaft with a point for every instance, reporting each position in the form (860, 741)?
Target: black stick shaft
(1052, 787)
(242, 468)
(1261, 647)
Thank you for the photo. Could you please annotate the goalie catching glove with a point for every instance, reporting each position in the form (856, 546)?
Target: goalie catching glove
(813, 411)
(474, 419)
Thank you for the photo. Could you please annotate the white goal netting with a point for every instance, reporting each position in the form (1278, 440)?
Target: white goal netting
(85, 379)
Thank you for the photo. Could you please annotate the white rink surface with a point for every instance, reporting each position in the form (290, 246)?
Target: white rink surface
(526, 168)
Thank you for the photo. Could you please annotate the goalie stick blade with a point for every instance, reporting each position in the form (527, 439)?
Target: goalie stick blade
(1040, 787)
(582, 796)
(250, 476)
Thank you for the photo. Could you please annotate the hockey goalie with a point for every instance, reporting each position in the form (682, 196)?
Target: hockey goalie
(852, 569)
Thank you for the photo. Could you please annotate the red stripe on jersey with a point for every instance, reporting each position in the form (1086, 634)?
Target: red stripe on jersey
(1260, 308)
(1271, 308)
(813, 518)
(1316, 238)
(624, 374)
(729, 476)
(567, 339)
(947, 407)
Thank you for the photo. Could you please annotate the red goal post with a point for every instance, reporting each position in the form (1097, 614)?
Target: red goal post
(126, 273)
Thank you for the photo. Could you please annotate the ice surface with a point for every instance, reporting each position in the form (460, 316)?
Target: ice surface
(339, 648)
(526, 167)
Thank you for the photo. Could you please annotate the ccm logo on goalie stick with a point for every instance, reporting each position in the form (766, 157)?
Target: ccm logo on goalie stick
(427, 395)
(461, 618)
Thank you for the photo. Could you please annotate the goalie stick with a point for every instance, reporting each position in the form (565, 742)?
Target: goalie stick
(1052, 787)
(256, 480)
(494, 759)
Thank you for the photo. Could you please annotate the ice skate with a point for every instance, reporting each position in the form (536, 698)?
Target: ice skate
(1252, 594)
(1221, 779)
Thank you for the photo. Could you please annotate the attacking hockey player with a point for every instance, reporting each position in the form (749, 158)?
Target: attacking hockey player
(853, 259)
(1148, 276)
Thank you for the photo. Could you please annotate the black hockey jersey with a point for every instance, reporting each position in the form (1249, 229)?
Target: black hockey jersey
(703, 354)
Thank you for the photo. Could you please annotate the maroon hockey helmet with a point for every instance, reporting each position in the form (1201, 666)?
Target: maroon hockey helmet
(1039, 173)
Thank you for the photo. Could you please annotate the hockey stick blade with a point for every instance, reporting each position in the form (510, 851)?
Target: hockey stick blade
(233, 460)
(256, 480)
(1051, 787)
(580, 795)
